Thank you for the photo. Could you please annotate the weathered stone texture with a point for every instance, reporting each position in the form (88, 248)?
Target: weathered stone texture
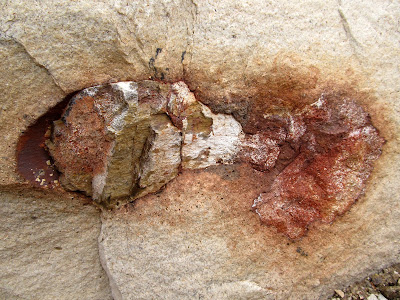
(112, 145)
(48, 247)
(162, 155)
(200, 239)
(329, 172)
(27, 92)
(128, 139)
(248, 58)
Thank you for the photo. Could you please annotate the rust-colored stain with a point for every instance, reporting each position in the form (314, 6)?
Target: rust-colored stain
(86, 123)
(33, 161)
(313, 145)
(337, 145)
(327, 142)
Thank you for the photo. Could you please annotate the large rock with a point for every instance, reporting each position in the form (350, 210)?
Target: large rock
(48, 247)
(125, 140)
(246, 58)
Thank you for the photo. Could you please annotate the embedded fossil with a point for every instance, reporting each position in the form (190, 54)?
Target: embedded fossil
(121, 141)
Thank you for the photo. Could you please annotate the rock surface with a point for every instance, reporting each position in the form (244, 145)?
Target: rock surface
(129, 139)
(333, 152)
(199, 239)
(248, 57)
(48, 248)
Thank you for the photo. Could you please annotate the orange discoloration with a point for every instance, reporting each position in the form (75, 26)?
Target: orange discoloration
(323, 163)
(310, 143)
(82, 140)
(336, 152)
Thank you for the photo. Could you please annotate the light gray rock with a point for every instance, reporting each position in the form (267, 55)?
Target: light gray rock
(48, 248)
(208, 138)
(162, 158)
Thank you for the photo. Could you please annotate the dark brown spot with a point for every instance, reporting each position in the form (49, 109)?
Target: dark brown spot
(33, 161)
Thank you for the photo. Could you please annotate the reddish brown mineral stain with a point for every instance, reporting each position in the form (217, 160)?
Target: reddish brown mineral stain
(314, 143)
(336, 152)
(33, 161)
(326, 150)
(86, 123)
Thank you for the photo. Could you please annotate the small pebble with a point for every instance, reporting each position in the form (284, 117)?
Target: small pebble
(340, 293)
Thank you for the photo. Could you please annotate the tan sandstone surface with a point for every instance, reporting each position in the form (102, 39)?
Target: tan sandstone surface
(49, 248)
(198, 238)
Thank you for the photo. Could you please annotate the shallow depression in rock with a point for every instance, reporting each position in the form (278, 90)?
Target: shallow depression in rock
(121, 141)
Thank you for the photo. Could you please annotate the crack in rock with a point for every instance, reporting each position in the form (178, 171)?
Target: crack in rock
(121, 141)
(35, 61)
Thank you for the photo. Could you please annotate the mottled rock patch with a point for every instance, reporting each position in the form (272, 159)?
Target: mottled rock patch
(128, 139)
(334, 146)
(385, 283)
(122, 141)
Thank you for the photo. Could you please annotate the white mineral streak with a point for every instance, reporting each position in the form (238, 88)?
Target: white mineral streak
(129, 89)
(98, 183)
(183, 96)
(221, 146)
(259, 150)
(118, 122)
(223, 143)
(320, 102)
(256, 201)
(99, 180)
(130, 92)
(91, 91)
(296, 128)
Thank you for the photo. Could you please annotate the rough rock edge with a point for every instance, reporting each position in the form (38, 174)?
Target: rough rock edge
(116, 293)
(33, 58)
(198, 125)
